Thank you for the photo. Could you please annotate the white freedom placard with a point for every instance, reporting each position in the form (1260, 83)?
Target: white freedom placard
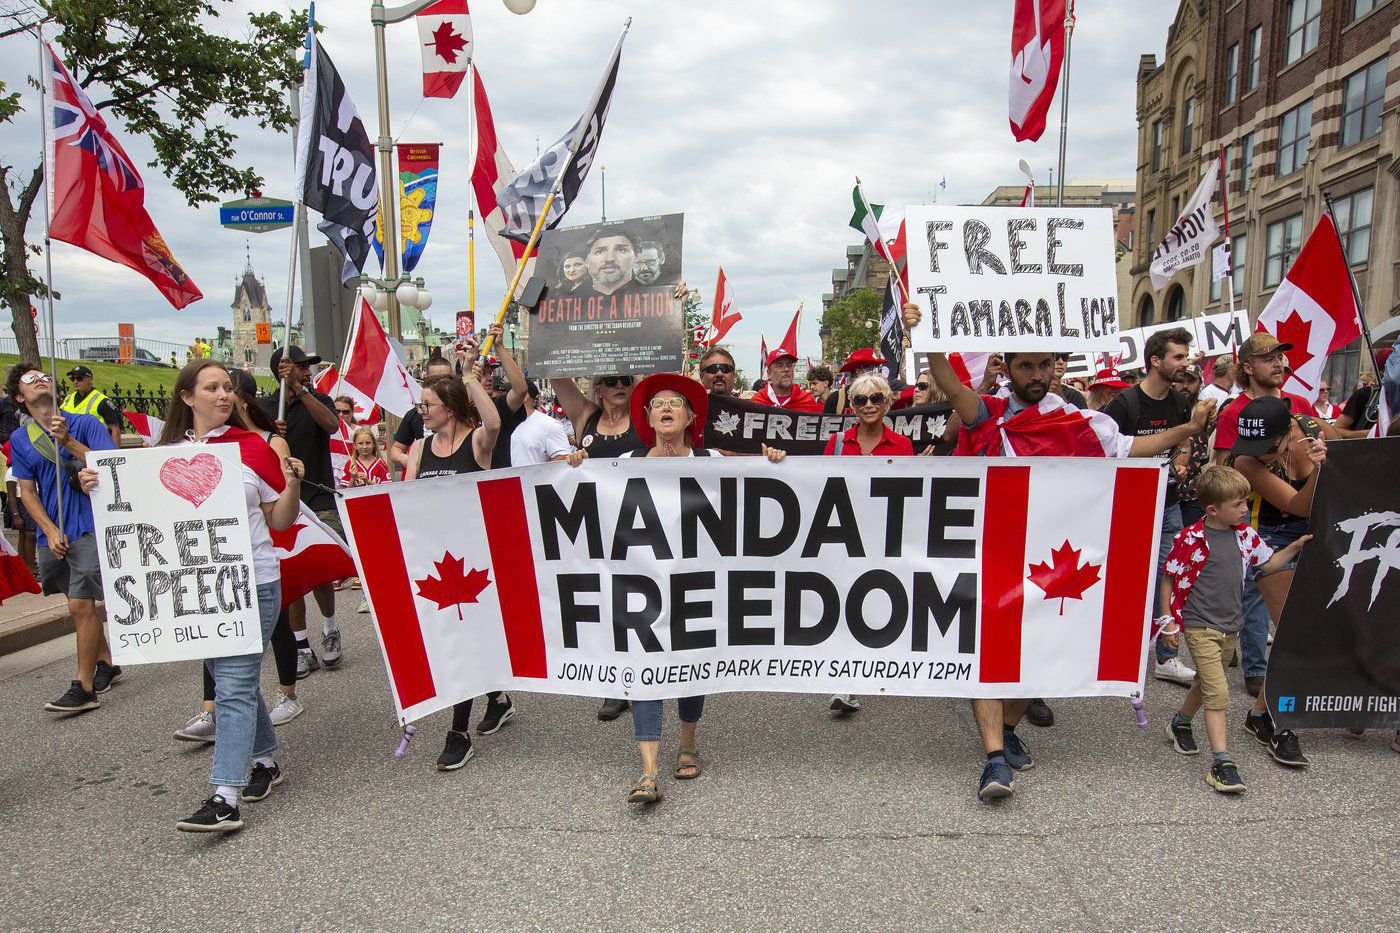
(177, 572)
(662, 577)
(1013, 278)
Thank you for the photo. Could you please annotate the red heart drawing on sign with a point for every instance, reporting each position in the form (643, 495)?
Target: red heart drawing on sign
(193, 480)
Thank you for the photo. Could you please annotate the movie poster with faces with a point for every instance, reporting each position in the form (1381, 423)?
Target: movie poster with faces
(610, 305)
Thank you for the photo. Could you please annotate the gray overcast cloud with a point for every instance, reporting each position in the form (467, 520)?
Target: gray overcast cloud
(751, 118)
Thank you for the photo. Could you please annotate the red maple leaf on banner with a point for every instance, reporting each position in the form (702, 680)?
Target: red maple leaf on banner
(1296, 329)
(1063, 578)
(447, 42)
(452, 586)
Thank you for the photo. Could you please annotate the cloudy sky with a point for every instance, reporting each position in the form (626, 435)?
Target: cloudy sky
(752, 118)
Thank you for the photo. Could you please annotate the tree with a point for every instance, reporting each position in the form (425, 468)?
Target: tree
(854, 322)
(156, 71)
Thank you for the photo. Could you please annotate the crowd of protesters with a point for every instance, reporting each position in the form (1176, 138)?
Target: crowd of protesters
(1242, 459)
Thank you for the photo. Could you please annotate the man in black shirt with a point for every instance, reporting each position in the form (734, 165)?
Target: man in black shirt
(1152, 406)
(307, 426)
(411, 427)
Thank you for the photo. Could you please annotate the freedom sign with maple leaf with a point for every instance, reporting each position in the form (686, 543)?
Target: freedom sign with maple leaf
(1064, 578)
(453, 585)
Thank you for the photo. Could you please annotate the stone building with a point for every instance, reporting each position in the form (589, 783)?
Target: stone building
(1302, 96)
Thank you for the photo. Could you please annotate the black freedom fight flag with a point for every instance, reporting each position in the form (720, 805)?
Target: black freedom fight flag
(1335, 661)
(740, 426)
(650, 578)
(522, 200)
(892, 330)
(336, 175)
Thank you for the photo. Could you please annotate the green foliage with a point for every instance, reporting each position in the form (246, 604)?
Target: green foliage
(854, 322)
(9, 104)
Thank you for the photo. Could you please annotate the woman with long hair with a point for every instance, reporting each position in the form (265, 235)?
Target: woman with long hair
(203, 409)
(573, 271)
(366, 467)
(464, 423)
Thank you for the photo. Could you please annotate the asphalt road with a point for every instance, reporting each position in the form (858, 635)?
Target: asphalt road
(798, 823)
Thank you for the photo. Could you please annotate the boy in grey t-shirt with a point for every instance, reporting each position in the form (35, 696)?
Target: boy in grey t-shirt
(1203, 583)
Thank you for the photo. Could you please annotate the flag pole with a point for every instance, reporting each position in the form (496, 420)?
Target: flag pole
(44, 71)
(298, 215)
(471, 192)
(554, 190)
(1229, 244)
(1356, 296)
(1064, 102)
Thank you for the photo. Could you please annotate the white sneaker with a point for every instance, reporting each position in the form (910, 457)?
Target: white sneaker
(364, 606)
(287, 709)
(330, 648)
(842, 703)
(307, 662)
(198, 729)
(1174, 671)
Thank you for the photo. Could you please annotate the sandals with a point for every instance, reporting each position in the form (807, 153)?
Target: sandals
(646, 790)
(688, 764)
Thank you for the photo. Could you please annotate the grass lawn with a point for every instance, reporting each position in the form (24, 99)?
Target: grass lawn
(152, 379)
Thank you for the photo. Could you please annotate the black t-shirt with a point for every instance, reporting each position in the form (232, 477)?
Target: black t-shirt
(310, 444)
(510, 420)
(1074, 397)
(1152, 416)
(410, 428)
(1359, 409)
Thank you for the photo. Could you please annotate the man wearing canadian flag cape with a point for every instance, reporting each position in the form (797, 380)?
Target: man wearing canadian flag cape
(1030, 421)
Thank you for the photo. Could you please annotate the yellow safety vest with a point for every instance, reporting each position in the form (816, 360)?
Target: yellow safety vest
(87, 407)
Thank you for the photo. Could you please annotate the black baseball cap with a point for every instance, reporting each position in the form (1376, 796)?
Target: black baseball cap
(79, 372)
(1262, 422)
(297, 356)
(243, 381)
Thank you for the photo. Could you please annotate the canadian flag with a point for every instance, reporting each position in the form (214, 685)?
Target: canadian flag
(970, 367)
(788, 345)
(445, 32)
(144, 425)
(1314, 309)
(1037, 51)
(373, 368)
(15, 576)
(328, 382)
(722, 315)
(491, 173)
(310, 554)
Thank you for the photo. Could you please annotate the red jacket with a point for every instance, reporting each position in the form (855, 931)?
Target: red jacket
(891, 445)
(799, 400)
(1189, 553)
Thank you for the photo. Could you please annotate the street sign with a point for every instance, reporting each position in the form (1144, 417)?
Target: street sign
(256, 215)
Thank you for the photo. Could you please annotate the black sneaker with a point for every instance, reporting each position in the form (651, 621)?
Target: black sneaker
(611, 709)
(998, 780)
(262, 781)
(214, 816)
(498, 713)
(76, 700)
(105, 675)
(1261, 727)
(1286, 751)
(456, 752)
(1225, 777)
(1017, 755)
(1040, 714)
(1182, 739)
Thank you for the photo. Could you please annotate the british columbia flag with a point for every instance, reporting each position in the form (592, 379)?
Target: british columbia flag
(96, 197)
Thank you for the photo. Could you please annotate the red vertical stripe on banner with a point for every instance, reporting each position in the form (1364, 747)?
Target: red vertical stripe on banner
(1007, 500)
(381, 556)
(513, 560)
(1130, 570)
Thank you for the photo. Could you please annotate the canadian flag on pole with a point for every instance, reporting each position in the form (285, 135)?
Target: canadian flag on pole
(491, 172)
(1037, 51)
(373, 367)
(722, 315)
(310, 554)
(445, 32)
(147, 427)
(328, 382)
(970, 367)
(1314, 309)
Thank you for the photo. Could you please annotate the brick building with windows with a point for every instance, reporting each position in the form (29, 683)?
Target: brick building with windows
(1302, 95)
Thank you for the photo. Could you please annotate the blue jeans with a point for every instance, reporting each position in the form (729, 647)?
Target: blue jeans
(646, 716)
(244, 729)
(1254, 637)
(1171, 524)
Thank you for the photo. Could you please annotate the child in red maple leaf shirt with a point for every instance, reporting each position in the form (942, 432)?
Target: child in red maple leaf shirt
(1203, 583)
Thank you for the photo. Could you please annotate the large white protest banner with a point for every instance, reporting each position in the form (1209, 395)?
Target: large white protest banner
(1013, 278)
(667, 577)
(1211, 334)
(177, 573)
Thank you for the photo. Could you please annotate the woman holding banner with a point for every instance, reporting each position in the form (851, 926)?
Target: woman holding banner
(464, 423)
(203, 409)
(668, 412)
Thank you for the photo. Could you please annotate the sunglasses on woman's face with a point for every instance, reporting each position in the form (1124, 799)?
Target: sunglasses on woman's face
(345, 412)
(714, 368)
(612, 382)
(860, 401)
(921, 386)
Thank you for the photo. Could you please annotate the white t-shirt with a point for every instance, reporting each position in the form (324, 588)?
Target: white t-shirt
(538, 439)
(1211, 390)
(266, 567)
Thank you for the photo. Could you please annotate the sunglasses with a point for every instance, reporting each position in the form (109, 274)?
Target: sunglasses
(860, 401)
(921, 386)
(657, 404)
(346, 412)
(34, 376)
(612, 382)
(714, 368)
